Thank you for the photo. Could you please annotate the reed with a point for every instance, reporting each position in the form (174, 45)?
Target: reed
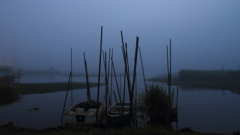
(8, 94)
(157, 103)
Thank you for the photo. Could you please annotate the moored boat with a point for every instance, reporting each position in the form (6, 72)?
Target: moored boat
(118, 113)
(84, 113)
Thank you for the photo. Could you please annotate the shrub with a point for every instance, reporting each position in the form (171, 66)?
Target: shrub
(158, 103)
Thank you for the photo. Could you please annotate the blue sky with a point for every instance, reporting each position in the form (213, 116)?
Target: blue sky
(36, 34)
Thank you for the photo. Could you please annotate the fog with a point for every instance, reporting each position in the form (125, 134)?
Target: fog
(38, 34)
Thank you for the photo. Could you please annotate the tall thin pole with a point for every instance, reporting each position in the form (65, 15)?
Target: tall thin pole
(109, 94)
(119, 95)
(99, 70)
(134, 77)
(86, 71)
(71, 81)
(143, 70)
(170, 66)
(111, 78)
(106, 80)
(70, 74)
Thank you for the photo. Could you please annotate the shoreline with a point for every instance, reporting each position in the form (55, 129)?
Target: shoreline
(9, 128)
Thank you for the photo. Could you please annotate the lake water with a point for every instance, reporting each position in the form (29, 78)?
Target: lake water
(202, 110)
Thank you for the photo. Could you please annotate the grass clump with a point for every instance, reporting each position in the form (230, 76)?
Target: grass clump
(8, 94)
(157, 103)
(7, 91)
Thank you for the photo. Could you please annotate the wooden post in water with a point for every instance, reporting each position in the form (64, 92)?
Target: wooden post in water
(71, 81)
(177, 101)
(169, 68)
(108, 75)
(106, 80)
(133, 82)
(119, 95)
(70, 75)
(99, 70)
(145, 84)
(86, 71)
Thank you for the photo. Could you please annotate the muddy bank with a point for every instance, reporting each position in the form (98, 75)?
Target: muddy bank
(73, 129)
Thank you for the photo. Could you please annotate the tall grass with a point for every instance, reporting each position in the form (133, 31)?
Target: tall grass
(8, 94)
(158, 103)
(7, 91)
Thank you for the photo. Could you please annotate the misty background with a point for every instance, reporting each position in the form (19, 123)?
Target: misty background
(40, 34)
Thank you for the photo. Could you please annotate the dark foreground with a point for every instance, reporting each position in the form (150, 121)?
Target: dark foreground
(83, 130)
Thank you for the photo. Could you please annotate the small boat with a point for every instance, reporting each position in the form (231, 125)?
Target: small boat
(84, 113)
(118, 113)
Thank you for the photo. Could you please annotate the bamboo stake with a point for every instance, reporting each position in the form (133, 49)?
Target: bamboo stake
(109, 95)
(177, 101)
(134, 73)
(120, 112)
(120, 82)
(143, 70)
(124, 51)
(70, 74)
(168, 72)
(111, 77)
(106, 80)
(99, 70)
(86, 71)
(71, 81)
(170, 66)
(119, 95)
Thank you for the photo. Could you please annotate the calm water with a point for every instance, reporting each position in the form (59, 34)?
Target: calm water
(202, 110)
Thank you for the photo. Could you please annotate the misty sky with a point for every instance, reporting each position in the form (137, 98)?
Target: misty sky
(40, 33)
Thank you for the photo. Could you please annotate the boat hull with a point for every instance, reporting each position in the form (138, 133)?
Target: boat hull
(118, 113)
(83, 114)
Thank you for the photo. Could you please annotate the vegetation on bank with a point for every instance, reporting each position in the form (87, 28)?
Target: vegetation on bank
(8, 94)
(208, 79)
(157, 103)
(88, 130)
(35, 88)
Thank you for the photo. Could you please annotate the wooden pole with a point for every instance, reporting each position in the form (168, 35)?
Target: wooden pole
(86, 71)
(71, 81)
(143, 69)
(119, 95)
(134, 76)
(70, 74)
(106, 80)
(99, 70)
(170, 66)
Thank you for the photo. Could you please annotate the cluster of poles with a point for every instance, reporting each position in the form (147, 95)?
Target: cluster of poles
(108, 64)
(129, 82)
(129, 85)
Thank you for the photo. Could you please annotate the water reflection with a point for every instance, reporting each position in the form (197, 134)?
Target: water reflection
(202, 110)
